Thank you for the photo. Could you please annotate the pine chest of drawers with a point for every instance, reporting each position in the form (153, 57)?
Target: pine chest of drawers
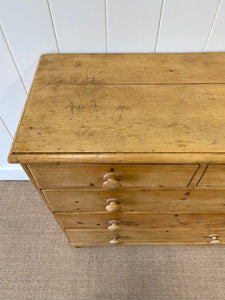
(128, 149)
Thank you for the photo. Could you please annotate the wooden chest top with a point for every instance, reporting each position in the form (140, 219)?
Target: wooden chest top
(124, 108)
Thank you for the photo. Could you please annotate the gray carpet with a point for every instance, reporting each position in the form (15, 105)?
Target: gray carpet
(37, 263)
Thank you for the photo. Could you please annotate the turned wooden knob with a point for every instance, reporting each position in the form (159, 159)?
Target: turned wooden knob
(214, 239)
(114, 225)
(112, 205)
(111, 181)
(114, 240)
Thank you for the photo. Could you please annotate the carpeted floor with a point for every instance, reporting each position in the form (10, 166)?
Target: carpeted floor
(36, 262)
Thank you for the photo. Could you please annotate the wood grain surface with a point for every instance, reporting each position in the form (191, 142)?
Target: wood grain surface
(157, 118)
(91, 175)
(133, 220)
(137, 200)
(144, 129)
(150, 68)
(118, 103)
(214, 177)
(101, 237)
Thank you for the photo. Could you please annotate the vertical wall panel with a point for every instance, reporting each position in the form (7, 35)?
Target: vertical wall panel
(13, 174)
(5, 144)
(217, 38)
(12, 92)
(29, 32)
(8, 171)
(93, 26)
(133, 25)
(79, 25)
(186, 24)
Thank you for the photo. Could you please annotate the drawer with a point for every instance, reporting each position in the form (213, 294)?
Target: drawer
(129, 176)
(102, 237)
(141, 220)
(213, 177)
(142, 200)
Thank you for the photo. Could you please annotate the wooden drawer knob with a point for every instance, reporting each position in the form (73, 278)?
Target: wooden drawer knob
(114, 225)
(111, 181)
(112, 205)
(114, 240)
(214, 239)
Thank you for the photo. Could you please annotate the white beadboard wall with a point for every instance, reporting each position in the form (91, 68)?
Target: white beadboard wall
(30, 28)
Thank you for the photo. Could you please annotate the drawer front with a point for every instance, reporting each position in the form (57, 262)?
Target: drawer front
(101, 237)
(213, 177)
(129, 176)
(72, 200)
(141, 220)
